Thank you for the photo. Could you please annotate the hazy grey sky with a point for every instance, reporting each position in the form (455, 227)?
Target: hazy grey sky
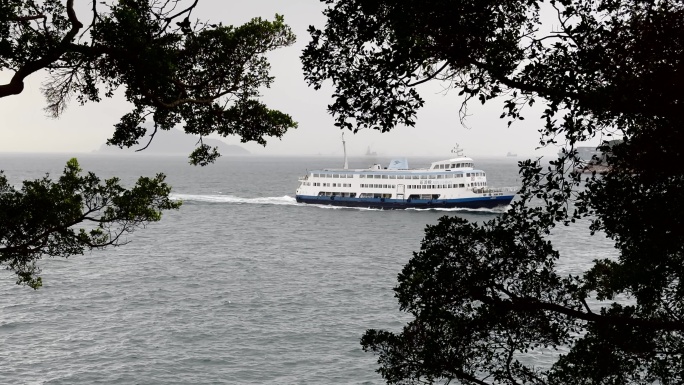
(25, 128)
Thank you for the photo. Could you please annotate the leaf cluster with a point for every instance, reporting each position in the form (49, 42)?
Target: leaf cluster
(173, 70)
(76, 213)
(377, 52)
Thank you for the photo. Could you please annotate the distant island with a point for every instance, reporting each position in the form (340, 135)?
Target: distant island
(173, 142)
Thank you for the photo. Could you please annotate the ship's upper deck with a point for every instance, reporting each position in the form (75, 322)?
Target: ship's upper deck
(461, 162)
(400, 166)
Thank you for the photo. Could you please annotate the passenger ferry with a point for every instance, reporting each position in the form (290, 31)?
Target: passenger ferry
(449, 183)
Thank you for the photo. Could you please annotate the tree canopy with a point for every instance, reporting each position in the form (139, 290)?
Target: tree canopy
(38, 219)
(172, 69)
(485, 296)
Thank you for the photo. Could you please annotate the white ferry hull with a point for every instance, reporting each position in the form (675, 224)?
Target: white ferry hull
(394, 204)
(449, 183)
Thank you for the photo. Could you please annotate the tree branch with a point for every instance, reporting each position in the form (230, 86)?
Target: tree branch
(28, 18)
(188, 9)
(471, 378)
(16, 84)
(526, 304)
(169, 19)
(150, 141)
(430, 77)
(96, 17)
(208, 99)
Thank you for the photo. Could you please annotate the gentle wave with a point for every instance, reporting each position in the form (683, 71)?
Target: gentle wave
(241, 287)
(495, 210)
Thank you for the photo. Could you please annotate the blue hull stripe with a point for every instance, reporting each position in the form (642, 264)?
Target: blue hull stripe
(386, 203)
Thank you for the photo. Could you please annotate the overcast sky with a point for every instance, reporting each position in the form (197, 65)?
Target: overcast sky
(24, 126)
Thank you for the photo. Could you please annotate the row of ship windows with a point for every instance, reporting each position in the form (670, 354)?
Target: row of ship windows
(319, 184)
(377, 176)
(433, 186)
(453, 165)
(374, 195)
(336, 194)
(414, 187)
(382, 195)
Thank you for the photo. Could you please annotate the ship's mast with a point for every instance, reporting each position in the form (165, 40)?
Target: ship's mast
(344, 147)
(457, 150)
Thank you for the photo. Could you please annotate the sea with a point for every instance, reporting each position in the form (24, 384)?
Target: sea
(241, 285)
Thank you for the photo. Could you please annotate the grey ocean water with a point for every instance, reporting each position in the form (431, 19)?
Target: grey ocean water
(242, 285)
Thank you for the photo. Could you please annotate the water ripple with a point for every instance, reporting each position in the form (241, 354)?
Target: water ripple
(242, 285)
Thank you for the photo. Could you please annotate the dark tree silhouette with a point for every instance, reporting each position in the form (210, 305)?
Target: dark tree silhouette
(40, 218)
(485, 296)
(174, 70)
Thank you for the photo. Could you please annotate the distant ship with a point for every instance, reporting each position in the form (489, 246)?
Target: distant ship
(370, 153)
(510, 154)
(588, 154)
(592, 159)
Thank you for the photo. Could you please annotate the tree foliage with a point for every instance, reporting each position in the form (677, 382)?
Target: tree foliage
(173, 70)
(486, 297)
(40, 219)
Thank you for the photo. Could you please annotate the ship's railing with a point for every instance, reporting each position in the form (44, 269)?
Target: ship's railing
(304, 178)
(504, 189)
(489, 190)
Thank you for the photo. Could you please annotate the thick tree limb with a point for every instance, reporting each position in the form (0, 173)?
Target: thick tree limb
(28, 18)
(16, 84)
(527, 304)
